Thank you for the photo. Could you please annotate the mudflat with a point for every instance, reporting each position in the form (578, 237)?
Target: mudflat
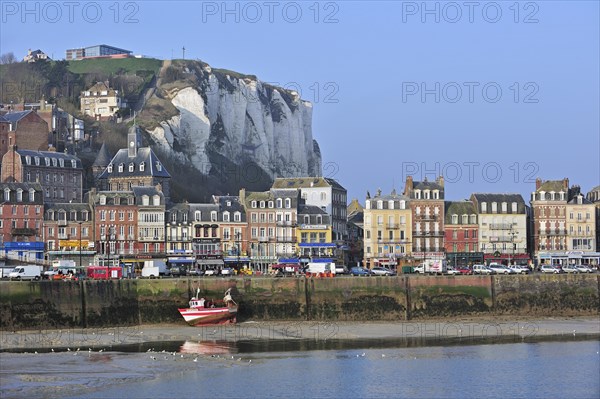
(452, 329)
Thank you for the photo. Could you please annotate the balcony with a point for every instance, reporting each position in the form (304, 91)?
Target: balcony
(553, 232)
(23, 231)
(263, 239)
(285, 223)
(63, 236)
(501, 239)
(426, 217)
(392, 226)
(501, 226)
(286, 239)
(62, 222)
(121, 237)
(428, 234)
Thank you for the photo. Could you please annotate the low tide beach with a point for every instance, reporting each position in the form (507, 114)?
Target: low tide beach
(178, 360)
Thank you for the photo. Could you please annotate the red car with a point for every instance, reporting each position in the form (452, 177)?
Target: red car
(465, 270)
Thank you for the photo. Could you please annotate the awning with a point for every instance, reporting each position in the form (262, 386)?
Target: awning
(289, 260)
(235, 259)
(317, 245)
(210, 261)
(175, 260)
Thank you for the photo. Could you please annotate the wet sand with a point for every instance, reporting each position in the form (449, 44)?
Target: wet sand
(461, 329)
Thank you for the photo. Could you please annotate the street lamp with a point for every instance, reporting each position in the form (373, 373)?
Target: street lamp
(80, 264)
(512, 238)
(237, 238)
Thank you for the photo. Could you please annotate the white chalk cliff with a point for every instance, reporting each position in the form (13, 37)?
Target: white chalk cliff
(239, 118)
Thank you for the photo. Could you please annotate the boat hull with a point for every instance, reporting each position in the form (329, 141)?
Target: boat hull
(200, 317)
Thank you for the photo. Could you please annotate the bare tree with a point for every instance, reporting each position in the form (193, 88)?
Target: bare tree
(7, 58)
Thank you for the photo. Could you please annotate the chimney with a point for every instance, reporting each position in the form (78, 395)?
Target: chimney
(440, 180)
(242, 196)
(409, 185)
(538, 183)
(566, 183)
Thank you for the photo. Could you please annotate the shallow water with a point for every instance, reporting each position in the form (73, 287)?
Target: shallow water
(249, 369)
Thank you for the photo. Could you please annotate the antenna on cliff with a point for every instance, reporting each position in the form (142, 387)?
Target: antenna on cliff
(183, 50)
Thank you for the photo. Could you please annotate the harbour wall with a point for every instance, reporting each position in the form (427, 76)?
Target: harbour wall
(89, 303)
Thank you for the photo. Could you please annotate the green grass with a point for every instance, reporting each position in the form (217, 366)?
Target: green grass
(112, 66)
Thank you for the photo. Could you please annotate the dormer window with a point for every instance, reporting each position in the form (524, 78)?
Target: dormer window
(368, 204)
(156, 200)
(61, 162)
(494, 207)
(270, 204)
(73, 163)
(237, 217)
(484, 207)
(426, 194)
(102, 200)
(417, 194)
(142, 166)
(380, 204)
(120, 168)
(197, 216)
(542, 196)
(145, 200)
(473, 219)
(436, 194)
(19, 195)
(109, 168)
(226, 216)
(504, 207)
(514, 207)
(402, 204)
(213, 216)
(228, 203)
(390, 204)
(262, 204)
(253, 204)
(31, 195)
(454, 219)
(37, 161)
(28, 160)
(47, 161)
(131, 167)
(54, 162)
(465, 219)
(7, 194)
(288, 203)
(279, 203)
(158, 166)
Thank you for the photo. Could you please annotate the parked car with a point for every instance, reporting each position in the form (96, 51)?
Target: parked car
(452, 271)
(482, 269)
(584, 269)
(227, 271)
(501, 269)
(195, 272)
(360, 271)
(382, 271)
(570, 269)
(520, 269)
(341, 269)
(551, 269)
(465, 270)
(210, 272)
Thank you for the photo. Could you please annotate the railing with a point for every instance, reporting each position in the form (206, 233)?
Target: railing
(393, 225)
(501, 226)
(286, 223)
(553, 232)
(428, 233)
(263, 239)
(501, 239)
(62, 222)
(426, 217)
(286, 239)
(63, 236)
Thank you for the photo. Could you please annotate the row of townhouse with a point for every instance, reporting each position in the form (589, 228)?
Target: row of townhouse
(560, 226)
(128, 217)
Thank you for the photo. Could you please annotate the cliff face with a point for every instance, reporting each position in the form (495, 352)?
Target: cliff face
(229, 123)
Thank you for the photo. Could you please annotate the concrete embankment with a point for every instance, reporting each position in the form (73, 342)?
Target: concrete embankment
(85, 304)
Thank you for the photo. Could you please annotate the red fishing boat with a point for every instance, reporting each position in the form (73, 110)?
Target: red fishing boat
(202, 311)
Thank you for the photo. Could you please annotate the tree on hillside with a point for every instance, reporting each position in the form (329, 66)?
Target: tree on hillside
(8, 58)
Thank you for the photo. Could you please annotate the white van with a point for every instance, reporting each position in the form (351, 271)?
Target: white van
(28, 272)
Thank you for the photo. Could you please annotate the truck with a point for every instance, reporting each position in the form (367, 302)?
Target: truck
(431, 266)
(320, 268)
(26, 272)
(60, 267)
(104, 272)
(155, 268)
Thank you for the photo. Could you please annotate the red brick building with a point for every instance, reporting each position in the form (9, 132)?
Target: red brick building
(68, 232)
(115, 222)
(461, 231)
(427, 205)
(25, 129)
(21, 213)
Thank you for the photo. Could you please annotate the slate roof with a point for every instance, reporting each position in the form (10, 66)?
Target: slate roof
(152, 165)
(305, 182)
(458, 208)
(311, 210)
(67, 158)
(13, 117)
(499, 198)
(139, 191)
(552, 185)
(104, 157)
(584, 201)
(68, 207)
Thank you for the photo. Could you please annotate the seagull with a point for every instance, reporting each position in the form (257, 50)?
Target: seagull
(363, 354)
(383, 355)
(182, 356)
(68, 349)
(152, 357)
(195, 359)
(35, 352)
(53, 348)
(250, 361)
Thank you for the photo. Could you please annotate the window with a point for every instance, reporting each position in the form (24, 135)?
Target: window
(253, 204)
(131, 167)
(270, 204)
(288, 203)
(514, 207)
(494, 207)
(142, 166)
(102, 200)
(279, 203)
(262, 204)
(465, 219)
(109, 168)
(504, 207)
(213, 216)
(237, 217)
(156, 200)
(226, 216)
(145, 200)
(484, 207)
(120, 167)
(454, 219)
(19, 195)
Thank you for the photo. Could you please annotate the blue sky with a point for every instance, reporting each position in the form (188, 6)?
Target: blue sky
(492, 94)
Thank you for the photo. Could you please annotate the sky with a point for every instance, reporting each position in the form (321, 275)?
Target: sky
(490, 94)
